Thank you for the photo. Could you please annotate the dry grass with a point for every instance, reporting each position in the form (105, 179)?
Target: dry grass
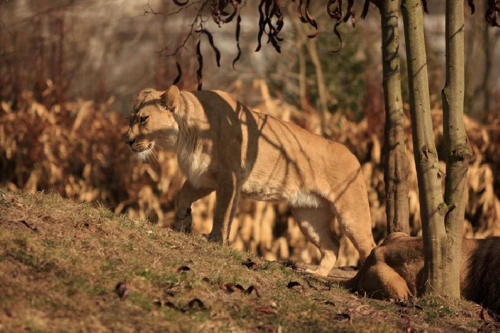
(76, 150)
(60, 262)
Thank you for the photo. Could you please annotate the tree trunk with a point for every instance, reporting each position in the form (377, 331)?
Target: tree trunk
(432, 206)
(458, 151)
(488, 48)
(396, 160)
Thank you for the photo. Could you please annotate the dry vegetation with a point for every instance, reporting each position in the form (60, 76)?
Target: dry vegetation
(75, 149)
(67, 266)
(60, 260)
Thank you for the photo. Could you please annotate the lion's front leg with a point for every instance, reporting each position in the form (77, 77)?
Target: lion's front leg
(187, 195)
(227, 193)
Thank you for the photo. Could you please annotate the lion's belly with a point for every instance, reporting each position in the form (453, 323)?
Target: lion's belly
(255, 191)
(273, 193)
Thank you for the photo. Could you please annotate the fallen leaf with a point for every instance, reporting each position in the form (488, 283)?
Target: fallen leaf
(224, 287)
(237, 286)
(172, 306)
(183, 269)
(266, 310)
(121, 290)
(196, 304)
(253, 288)
(292, 284)
(342, 317)
(291, 264)
(249, 263)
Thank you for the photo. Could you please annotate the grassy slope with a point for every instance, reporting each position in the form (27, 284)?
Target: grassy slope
(60, 262)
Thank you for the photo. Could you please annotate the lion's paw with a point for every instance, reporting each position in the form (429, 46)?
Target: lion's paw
(214, 238)
(317, 272)
(184, 224)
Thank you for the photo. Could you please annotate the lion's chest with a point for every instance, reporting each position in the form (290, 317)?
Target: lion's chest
(196, 169)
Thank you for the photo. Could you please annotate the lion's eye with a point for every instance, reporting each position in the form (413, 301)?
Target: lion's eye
(143, 119)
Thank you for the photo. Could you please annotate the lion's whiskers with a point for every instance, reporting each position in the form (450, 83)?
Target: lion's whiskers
(157, 145)
(153, 158)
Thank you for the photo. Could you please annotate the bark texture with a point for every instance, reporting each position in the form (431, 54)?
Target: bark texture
(432, 206)
(396, 160)
(458, 151)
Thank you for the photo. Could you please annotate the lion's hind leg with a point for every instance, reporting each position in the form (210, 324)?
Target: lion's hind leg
(353, 212)
(315, 225)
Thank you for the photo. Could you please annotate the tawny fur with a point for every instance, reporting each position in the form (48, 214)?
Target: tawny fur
(395, 270)
(223, 146)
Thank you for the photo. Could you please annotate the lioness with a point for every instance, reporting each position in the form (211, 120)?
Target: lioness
(224, 147)
(395, 270)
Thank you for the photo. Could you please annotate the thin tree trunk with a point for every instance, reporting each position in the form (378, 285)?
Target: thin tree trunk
(432, 207)
(396, 160)
(302, 76)
(299, 45)
(320, 81)
(458, 151)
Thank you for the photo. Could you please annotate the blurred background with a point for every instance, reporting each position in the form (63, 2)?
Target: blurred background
(70, 69)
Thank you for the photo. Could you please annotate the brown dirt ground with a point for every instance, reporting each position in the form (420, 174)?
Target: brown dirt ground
(60, 264)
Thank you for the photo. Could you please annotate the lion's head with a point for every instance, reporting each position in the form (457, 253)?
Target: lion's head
(152, 121)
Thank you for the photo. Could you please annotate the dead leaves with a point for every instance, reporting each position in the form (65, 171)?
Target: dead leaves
(199, 72)
(194, 304)
(269, 10)
(231, 288)
(179, 73)
(249, 263)
(238, 30)
(235, 287)
(337, 13)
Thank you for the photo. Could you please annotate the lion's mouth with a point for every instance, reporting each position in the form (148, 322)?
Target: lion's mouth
(143, 149)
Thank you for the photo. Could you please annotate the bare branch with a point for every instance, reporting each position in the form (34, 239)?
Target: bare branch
(197, 23)
(149, 10)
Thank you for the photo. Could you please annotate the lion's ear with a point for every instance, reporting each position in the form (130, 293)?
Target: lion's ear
(170, 98)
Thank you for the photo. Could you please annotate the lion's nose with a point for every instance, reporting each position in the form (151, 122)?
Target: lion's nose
(130, 142)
